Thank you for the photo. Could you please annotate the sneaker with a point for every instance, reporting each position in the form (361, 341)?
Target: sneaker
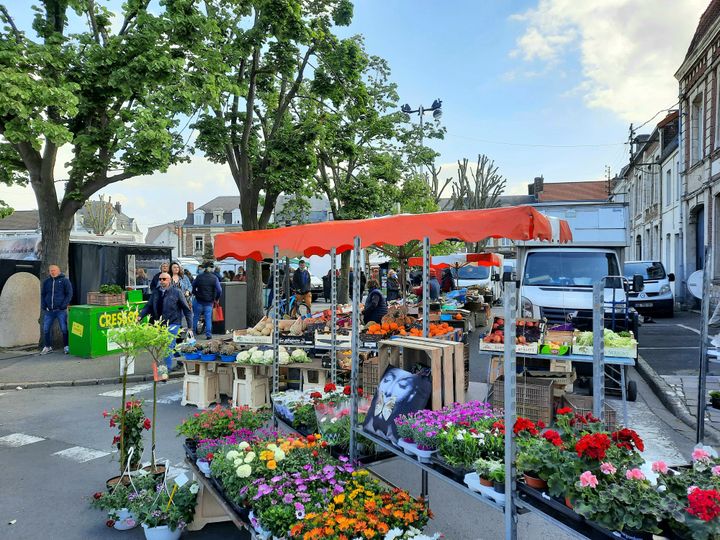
(66, 350)
(208, 337)
(46, 350)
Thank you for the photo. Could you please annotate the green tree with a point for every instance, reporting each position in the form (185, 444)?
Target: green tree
(113, 98)
(265, 58)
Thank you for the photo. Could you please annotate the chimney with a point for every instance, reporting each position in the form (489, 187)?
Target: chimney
(190, 207)
(539, 181)
(118, 208)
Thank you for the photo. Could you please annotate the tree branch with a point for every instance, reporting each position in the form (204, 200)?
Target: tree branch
(129, 16)
(285, 101)
(11, 22)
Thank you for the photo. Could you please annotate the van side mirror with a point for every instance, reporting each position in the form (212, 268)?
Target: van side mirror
(508, 276)
(671, 277)
(495, 277)
(638, 283)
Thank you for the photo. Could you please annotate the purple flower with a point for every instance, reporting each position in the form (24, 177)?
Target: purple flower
(301, 487)
(288, 498)
(276, 479)
(337, 489)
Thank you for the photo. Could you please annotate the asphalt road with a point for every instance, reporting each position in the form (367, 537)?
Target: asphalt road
(671, 345)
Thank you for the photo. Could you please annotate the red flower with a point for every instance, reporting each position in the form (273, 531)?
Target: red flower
(105, 413)
(704, 503)
(523, 424)
(315, 453)
(627, 438)
(360, 392)
(499, 425)
(110, 523)
(329, 387)
(311, 438)
(347, 390)
(116, 439)
(97, 495)
(323, 444)
(565, 410)
(553, 437)
(593, 446)
(147, 424)
(209, 456)
(316, 395)
(541, 424)
(112, 422)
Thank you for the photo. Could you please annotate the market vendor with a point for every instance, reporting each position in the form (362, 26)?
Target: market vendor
(375, 304)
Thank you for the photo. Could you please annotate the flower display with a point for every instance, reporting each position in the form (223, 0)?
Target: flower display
(704, 504)
(221, 422)
(593, 446)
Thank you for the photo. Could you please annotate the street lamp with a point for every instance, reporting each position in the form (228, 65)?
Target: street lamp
(435, 108)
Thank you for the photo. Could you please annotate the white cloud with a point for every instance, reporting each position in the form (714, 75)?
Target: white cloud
(629, 50)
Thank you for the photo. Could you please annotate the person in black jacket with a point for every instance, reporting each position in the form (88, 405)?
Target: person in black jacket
(393, 285)
(375, 304)
(167, 304)
(301, 285)
(55, 296)
(206, 289)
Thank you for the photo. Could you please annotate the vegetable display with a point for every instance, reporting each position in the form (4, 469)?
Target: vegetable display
(621, 340)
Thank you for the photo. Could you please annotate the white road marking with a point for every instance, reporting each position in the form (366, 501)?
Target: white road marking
(170, 398)
(690, 328)
(16, 440)
(129, 391)
(80, 454)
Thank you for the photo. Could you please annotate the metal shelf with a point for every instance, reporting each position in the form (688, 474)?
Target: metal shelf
(398, 453)
(613, 360)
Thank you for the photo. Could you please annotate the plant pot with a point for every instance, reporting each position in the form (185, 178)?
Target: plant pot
(499, 487)
(407, 446)
(486, 482)
(715, 402)
(126, 520)
(568, 503)
(208, 357)
(162, 532)
(423, 456)
(112, 482)
(204, 467)
(158, 472)
(628, 534)
(192, 356)
(535, 482)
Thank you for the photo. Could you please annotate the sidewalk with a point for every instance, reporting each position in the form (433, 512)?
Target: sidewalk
(685, 388)
(28, 369)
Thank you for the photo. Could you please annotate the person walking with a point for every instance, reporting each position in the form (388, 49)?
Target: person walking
(206, 290)
(55, 295)
(434, 284)
(448, 282)
(164, 267)
(179, 280)
(301, 285)
(167, 304)
(393, 285)
(375, 304)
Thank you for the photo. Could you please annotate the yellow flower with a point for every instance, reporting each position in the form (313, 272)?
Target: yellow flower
(267, 454)
(339, 499)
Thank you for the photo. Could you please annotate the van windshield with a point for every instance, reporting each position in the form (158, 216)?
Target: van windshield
(570, 268)
(473, 272)
(648, 270)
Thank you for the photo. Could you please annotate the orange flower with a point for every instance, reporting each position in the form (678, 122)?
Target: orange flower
(272, 465)
(296, 529)
(383, 527)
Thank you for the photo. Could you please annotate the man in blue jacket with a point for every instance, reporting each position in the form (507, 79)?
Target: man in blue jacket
(207, 290)
(167, 304)
(55, 295)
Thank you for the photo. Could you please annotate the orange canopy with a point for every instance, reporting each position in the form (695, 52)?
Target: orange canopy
(515, 223)
(445, 261)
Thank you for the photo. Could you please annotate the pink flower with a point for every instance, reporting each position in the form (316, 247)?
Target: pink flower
(700, 455)
(607, 468)
(716, 470)
(588, 479)
(691, 489)
(634, 474)
(660, 467)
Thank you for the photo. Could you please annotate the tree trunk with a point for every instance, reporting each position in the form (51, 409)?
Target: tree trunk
(343, 284)
(55, 229)
(255, 303)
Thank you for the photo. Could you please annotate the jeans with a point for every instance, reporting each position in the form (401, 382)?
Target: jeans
(49, 319)
(206, 308)
(174, 329)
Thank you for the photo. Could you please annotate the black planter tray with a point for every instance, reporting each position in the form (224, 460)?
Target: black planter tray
(190, 452)
(542, 498)
(622, 535)
(456, 473)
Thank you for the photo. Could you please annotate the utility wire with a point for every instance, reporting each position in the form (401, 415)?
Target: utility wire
(666, 109)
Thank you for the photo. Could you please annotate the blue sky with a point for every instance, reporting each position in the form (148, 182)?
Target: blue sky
(546, 76)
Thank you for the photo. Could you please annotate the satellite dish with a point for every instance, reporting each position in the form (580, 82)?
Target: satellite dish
(695, 284)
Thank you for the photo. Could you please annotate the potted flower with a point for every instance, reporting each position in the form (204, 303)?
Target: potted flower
(130, 422)
(108, 295)
(205, 453)
(220, 422)
(715, 399)
(116, 503)
(483, 468)
(163, 517)
(620, 500)
(497, 476)
(538, 458)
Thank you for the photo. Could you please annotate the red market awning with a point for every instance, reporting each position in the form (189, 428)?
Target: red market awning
(461, 259)
(521, 223)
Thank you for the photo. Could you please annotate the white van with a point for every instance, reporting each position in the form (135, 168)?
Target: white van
(657, 296)
(479, 276)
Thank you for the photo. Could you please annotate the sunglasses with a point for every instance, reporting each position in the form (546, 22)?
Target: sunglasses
(164, 279)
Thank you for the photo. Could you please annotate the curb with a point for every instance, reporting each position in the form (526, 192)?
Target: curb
(671, 402)
(84, 382)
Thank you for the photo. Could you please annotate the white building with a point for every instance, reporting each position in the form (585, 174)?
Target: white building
(166, 235)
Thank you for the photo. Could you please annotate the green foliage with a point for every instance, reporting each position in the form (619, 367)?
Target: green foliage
(109, 288)
(153, 506)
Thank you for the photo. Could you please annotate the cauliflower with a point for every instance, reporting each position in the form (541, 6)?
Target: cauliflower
(299, 355)
(243, 357)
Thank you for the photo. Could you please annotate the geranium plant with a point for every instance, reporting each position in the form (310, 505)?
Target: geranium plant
(130, 421)
(113, 501)
(220, 422)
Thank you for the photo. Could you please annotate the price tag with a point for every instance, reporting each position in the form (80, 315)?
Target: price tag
(181, 479)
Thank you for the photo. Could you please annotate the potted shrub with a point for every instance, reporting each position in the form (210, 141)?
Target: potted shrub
(483, 467)
(108, 295)
(715, 399)
(538, 458)
(189, 351)
(163, 518)
(228, 352)
(116, 503)
(130, 421)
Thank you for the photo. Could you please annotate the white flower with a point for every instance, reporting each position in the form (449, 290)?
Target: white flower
(279, 455)
(393, 534)
(194, 489)
(232, 455)
(249, 457)
(243, 471)
(271, 446)
(243, 445)
(333, 420)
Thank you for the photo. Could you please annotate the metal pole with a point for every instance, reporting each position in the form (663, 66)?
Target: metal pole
(510, 376)
(702, 383)
(333, 318)
(426, 287)
(598, 350)
(354, 343)
(276, 328)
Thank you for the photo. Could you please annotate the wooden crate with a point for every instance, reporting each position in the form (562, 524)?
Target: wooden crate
(453, 367)
(403, 353)
(102, 299)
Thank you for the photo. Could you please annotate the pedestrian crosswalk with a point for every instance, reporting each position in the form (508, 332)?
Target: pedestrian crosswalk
(80, 454)
(129, 391)
(15, 440)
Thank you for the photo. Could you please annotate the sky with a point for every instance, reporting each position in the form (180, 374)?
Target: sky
(543, 87)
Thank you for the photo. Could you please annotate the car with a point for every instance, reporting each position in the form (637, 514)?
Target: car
(657, 297)
(316, 287)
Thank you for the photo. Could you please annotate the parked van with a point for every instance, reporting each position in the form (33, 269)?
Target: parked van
(485, 277)
(657, 297)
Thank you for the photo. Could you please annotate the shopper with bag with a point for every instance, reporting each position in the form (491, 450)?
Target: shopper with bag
(207, 291)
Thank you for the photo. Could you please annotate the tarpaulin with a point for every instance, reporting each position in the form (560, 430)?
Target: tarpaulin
(445, 261)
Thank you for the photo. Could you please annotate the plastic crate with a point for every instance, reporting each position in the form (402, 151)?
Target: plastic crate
(534, 398)
(584, 404)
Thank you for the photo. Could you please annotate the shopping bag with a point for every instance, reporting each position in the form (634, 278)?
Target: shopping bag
(217, 313)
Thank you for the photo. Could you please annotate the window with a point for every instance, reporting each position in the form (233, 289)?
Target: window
(678, 185)
(668, 186)
(638, 247)
(717, 108)
(696, 129)
(563, 269)
(198, 217)
(199, 245)
(218, 216)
